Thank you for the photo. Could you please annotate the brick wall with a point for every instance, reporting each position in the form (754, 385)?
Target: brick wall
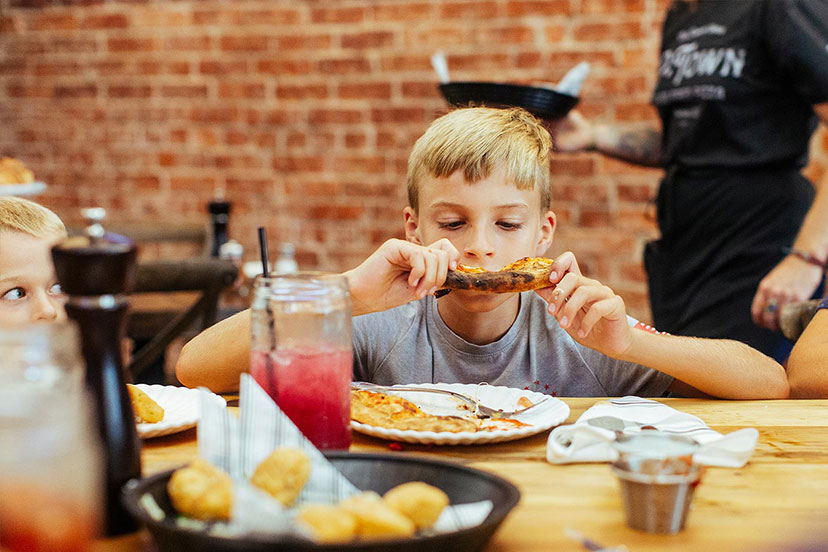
(304, 112)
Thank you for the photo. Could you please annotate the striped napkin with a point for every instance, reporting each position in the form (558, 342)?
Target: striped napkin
(238, 445)
(586, 441)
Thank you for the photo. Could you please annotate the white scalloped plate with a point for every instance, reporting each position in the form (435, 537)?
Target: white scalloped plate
(22, 189)
(181, 405)
(544, 416)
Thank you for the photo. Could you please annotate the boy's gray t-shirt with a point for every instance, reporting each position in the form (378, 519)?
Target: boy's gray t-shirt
(412, 344)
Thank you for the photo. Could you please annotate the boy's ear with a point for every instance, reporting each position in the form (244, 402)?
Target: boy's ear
(412, 225)
(546, 232)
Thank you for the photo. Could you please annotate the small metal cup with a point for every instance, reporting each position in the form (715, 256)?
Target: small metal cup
(656, 503)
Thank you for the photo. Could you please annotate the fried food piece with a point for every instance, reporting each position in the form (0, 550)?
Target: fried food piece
(375, 519)
(201, 491)
(146, 410)
(526, 274)
(328, 523)
(394, 412)
(283, 474)
(12, 171)
(418, 501)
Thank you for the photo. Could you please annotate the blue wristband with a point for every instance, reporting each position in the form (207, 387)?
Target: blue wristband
(823, 304)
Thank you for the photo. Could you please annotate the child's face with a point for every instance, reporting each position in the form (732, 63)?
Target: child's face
(29, 291)
(490, 222)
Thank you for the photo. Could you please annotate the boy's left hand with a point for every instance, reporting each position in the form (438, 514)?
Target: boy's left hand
(589, 311)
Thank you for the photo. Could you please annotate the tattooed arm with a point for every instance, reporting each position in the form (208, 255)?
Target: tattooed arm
(634, 143)
(641, 145)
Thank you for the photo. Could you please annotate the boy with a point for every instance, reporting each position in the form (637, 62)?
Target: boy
(478, 187)
(29, 291)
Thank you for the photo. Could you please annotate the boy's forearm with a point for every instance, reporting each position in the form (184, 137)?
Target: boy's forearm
(721, 368)
(218, 356)
(636, 145)
(808, 364)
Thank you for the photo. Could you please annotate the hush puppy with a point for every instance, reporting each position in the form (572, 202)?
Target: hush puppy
(375, 519)
(328, 523)
(283, 474)
(201, 491)
(418, 501)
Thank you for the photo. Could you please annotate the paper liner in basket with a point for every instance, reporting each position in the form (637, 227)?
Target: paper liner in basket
(238, 445)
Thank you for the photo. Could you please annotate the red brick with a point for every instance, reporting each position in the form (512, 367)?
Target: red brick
(106, 21)
(612, 6)
(10, 24)
(318, 188)
(12, 66)
(304, 42)
(426, 89)
(365, 90)
(398, 115)
(166, 159)
(179, 135)
(577, 166)
(224, 114)
(634, 112)
(191, 43)
(516, 34)
(191, 183)
(241, 90)
(526, 60)
(335, 116)
(298, 163)
(53, 22)
(469, 10)
(184, 91)
(595, 218)
(338, 15)
(375, 39)
(81, 91)
(407, 63)
(128, 91)
(479, 61)
(596, 32)
(264, 17)
(360, 163)
(57, 68)
(286, 66)
(403, 12)
(438, 36)
(250, 43)
(222, 67)
(554, 33)
(355, 140)
(73, 44)
(538, 7)
(339, 66)
(300, 92)
(130, 44)
(336, 212)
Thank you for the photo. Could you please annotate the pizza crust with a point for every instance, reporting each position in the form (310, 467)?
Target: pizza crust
(526, 274)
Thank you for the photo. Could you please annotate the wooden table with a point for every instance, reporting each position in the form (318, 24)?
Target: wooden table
(779, 499)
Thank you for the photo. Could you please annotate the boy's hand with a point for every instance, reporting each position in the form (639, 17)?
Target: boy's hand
(589, 311)
(399, 272)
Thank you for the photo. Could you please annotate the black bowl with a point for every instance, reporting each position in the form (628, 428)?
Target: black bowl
(375, 472)
(541, 102)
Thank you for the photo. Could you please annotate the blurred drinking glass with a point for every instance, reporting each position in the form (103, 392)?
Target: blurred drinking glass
(302, 353)
(50, 466)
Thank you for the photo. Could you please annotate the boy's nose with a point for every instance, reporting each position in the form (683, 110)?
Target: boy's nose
(47, 308)
(480, 246)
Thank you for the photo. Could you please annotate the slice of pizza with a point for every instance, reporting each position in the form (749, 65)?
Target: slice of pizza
(395, 412)
(526, 274)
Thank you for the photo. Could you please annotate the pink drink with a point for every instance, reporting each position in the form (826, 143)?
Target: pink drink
(314, 389)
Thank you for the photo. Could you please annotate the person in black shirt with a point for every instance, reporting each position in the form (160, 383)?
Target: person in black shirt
(741, 86)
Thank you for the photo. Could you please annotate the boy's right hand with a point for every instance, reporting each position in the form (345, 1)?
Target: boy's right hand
(399, 272)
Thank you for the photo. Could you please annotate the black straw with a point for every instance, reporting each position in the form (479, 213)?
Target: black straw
(263, 251)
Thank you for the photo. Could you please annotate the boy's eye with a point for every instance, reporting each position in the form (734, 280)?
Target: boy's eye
(55, 289)
(452, 225)
(509, 225)
(14, 294)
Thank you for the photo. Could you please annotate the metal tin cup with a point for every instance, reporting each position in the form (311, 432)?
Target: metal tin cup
(657, 479)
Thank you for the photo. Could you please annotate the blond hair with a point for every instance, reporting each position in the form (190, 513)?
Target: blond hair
(22, 215)
(478, 141)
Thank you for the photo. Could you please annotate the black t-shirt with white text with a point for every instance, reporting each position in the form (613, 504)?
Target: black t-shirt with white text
(737, 81)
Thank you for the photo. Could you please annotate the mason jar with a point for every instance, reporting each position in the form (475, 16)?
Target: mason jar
(302, 352)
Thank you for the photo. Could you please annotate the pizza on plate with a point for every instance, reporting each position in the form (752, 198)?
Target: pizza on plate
(526, 274)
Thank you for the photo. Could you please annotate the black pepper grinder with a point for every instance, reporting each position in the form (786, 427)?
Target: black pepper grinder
(219, 210)
(96, 270)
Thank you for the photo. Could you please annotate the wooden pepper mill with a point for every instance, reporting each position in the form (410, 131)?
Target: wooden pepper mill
(96, 270)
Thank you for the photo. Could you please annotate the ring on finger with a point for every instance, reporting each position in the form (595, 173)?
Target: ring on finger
(772, 306)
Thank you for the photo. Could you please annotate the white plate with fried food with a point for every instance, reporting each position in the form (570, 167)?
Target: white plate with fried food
(430, 418)
(181, 409)
(22, 189)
